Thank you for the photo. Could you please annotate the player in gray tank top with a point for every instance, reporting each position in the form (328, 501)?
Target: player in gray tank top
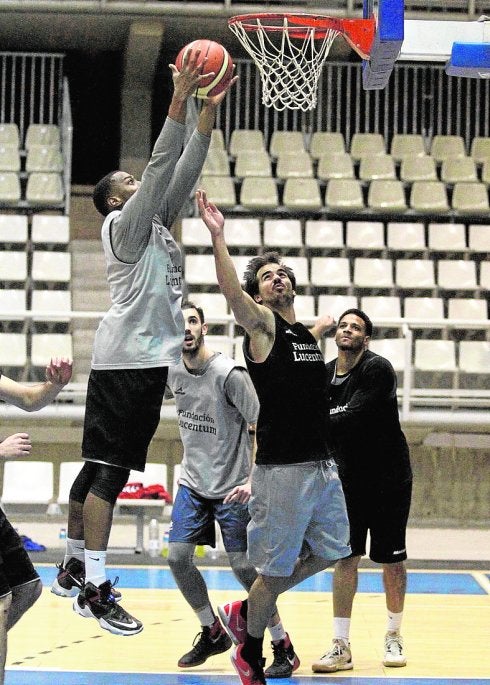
(216, 403)
(138, 338)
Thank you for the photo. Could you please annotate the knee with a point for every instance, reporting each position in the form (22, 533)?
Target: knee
(243, 569)
(179, 560)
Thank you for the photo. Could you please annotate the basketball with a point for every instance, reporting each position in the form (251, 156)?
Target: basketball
(218, 61)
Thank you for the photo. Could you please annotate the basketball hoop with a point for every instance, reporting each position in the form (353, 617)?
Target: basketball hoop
(290, 49)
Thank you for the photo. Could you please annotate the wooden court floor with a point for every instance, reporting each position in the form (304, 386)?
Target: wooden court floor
(446, 631)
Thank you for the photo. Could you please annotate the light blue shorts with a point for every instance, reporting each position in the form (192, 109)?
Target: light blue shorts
(294, 509)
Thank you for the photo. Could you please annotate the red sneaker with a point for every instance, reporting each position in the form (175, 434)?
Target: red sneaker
(249, 674)
(233, 622)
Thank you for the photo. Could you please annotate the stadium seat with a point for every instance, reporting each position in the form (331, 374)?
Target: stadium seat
(44, 158)
(47, 345)
(387, 196)
(429, 196)
(415, 273)
(405, 145)
(300, 267)
(304, 306)
(9, 158)
(467, 309)
(405, 237)
(42, 134)
(444, 146)
(51, 266)
(344, 194)
(447, 237)
(27, 482)
(474, 356)
(13, 266)
(257, 163)
(9, 135)
(286, 141)
(373, 273)
(213, 304)
(470, 198)
(418, 169)
(374, 167)
(336, 305)
(195, 233)
(200, 269)
(10, 192)
(11, 300)
(14, 349)
(44, 189)
(435, 355)
(282, 233)
(246, 140)
(330, 349)
(392, 349)
(242, 232)
(485, 171)
(426, 309)
(216, 163)
(326, 142)
(294, 165)
(456, 274)
(320, 233)
(484, 281)
(330, 271)
(302, 193)
(259, 193)
(365, 235)
(50, 228)
(220, 190)
(480, 149)
(69, 470)
(13, 228)
(479, 237)
(217, 140)
(335, 166)
(221, 343)
(456, 169)
(364, 144)
(51, 300)
(379, 307)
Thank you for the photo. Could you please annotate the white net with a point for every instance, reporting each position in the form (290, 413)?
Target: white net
(289, 66)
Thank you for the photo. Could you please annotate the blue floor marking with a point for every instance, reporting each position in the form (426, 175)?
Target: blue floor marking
(222, 579)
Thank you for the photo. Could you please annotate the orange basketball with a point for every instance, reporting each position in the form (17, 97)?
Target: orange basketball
(218, 61)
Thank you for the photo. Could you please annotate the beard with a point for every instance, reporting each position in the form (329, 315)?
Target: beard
(281, 300)
(194, 351)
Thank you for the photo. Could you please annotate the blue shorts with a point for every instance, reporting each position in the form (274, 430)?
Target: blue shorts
(193, 519)
(295, 509)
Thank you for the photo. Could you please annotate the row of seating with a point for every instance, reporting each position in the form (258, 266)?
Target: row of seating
(258, 193)
(426, 311)
(361, 272)
(41, 189)
(341, 165)
(38, 158)
(317, 234)
(46, 135)
(20, 349)
(40, 229)
(50, 266)
(401, 146)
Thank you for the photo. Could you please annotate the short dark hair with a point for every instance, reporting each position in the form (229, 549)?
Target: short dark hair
(102, 193)
(362, 315)
(187, 304)
(250, 284)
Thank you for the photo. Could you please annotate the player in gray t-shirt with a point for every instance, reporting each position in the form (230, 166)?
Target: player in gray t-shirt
(216, 404)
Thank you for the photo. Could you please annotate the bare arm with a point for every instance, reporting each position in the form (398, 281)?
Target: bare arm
(323, 326)
(34, 397)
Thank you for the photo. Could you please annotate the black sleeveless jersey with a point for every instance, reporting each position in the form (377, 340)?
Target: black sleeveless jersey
(291, 387)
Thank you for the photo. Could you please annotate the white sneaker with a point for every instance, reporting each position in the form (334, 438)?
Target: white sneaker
(339, 658)
(394, 651)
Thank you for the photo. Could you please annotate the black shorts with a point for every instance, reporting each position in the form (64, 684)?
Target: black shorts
(15, 566)
(122, 413)
(382, 509)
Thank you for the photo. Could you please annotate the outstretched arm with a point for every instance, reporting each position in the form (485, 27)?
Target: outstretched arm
(322, 326)
(34, 397)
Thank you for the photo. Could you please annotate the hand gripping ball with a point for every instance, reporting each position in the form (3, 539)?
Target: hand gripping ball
(218, 60)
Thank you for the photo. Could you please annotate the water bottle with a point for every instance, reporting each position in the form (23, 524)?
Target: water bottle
(154, 538)
(62, 534)
(165, 540)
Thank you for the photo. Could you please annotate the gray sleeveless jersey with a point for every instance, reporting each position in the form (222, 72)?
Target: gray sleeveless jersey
(213, 424)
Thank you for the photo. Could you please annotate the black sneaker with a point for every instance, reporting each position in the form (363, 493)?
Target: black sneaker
(211, 640)
(70, 578)
(285, 659)
(99, 603)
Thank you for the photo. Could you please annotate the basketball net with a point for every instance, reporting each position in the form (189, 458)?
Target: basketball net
(289, 64)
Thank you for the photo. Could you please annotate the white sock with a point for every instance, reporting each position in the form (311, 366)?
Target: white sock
(206, 616)
(341, 628)
(74, 548)
(95, 566)
(277, 632)
(394, 622)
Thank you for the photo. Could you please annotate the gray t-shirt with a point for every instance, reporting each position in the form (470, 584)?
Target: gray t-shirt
(214, 408)
(144, 327)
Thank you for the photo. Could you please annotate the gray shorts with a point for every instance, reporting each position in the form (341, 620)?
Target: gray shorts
(296, 508)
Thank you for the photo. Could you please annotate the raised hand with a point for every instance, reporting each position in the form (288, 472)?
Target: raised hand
(59, 371)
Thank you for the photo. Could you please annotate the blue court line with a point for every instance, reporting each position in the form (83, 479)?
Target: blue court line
(94, 678)
(153, 577)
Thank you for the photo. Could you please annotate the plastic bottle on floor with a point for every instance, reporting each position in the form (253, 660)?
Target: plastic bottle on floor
(154, 538)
